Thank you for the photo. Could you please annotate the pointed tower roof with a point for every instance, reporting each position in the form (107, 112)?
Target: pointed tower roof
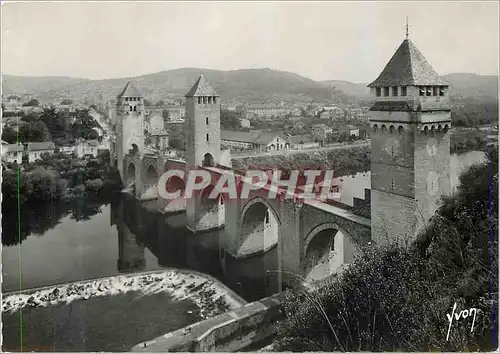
(408, 67)
(201, 88)
(130, 91)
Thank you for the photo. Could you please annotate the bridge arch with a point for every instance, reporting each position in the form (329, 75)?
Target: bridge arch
(208, 160)
(212, 206)
(130, 174)
(151, 175)
(325, 249)
(260, 225)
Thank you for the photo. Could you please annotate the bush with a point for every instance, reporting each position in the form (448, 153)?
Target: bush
(397, 299)
(94, 185)
(79, 190)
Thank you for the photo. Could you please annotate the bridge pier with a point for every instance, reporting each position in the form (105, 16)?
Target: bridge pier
(204, 214)
(290, 244)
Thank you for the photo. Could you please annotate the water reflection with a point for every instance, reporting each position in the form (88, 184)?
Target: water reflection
(176, 247)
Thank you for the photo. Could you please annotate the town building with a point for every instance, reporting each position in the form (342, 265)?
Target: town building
(67, 149)
(159, 139)
(324, 115)
(306, 141)
(36, 150)
(347, 131)
(267, 110)
(245, 123)
(321, 131)
(12, 153)
(173, 113)
(86, 148)
(256, 140)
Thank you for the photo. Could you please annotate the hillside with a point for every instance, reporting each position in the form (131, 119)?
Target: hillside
(36, 85)
(473, 86)
(462, 86)
(249, 85)
(350, 88)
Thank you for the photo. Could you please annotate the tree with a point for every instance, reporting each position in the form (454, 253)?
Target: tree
(66, 102)
(229, 120)
(34, 132)
(147, 102)
(9, 135)
(160, 103)
(32, 103)
(165, 114)
(31, 117)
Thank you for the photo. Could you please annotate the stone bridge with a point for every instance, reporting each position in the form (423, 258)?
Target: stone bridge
(307, 232)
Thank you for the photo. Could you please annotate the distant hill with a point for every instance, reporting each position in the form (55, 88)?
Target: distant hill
(473, 86)
(350, 88)
(248, 85)
(462, 86)
(245, 85)
(36, 85)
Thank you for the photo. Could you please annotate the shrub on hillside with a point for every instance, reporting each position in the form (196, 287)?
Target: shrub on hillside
(397, 299)
(94, 185)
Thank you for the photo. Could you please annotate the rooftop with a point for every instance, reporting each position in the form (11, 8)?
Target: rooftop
(408, 67)
(45, 145)
(130, 91)
(13, 147)
(256, 136)
(298, 139)
(201, 88)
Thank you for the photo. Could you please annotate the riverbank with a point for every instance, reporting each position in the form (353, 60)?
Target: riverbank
(350, 159)
(342, 161)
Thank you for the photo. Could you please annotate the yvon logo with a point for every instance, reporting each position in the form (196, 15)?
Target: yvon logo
(462, 314)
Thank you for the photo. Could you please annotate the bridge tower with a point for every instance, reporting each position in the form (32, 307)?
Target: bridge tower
(202, 148)
(410, 146)
(129, 126)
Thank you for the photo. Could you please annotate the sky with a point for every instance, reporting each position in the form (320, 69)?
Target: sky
(321, 40)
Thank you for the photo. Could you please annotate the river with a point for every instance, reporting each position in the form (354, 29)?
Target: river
(90, 239)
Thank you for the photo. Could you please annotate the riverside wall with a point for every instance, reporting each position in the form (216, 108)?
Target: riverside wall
(231, 331)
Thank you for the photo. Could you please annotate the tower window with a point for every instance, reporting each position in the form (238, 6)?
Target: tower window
(209, 99)
(421, 91)
(207, 138)
(403, 91)
(394, 90)
(386, 91)
(435, 91)
(204, 100)
(428, 90)
(441, 91)
(267, 217)
(135, 108)
(130, 108)
(199, 100)
(215, 101)
(206, 120)
(377, 91)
